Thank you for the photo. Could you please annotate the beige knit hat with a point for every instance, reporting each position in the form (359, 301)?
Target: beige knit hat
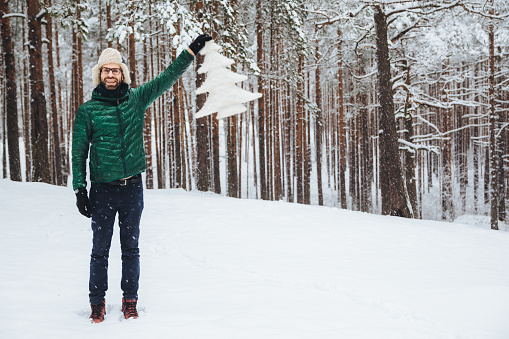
(110, 56)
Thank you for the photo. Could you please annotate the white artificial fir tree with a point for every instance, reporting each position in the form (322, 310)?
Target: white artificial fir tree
(224, 97)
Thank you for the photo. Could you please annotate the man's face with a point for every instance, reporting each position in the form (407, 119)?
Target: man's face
(111, 76)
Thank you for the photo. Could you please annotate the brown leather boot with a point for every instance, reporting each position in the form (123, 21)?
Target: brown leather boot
(129, 308)
(98, 312)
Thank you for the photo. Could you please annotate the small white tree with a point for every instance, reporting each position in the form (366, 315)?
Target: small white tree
(224, 97)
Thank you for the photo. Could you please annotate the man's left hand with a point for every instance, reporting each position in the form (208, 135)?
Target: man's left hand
(199, 43)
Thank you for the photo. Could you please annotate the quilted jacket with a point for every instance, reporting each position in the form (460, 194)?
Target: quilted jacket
(112, 128)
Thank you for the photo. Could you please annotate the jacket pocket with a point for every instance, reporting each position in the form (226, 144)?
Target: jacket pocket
(95, 164)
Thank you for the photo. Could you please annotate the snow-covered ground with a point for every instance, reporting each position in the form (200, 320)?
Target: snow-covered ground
(215, 267)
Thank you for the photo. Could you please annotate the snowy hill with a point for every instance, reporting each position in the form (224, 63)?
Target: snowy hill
(215, 267)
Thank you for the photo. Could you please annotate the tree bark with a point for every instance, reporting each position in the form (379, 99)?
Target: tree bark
(261, 103)
(287, 144)
(318, 130)
(57, 151)
(299, 136)
(394, 195)
(341, 128)
(147, 125)
(447, 178)
(26, 116)
(11, 94)
(231, 125)
(215, 154)
(202, 139)
(493, 120)
(410, 154)
(108, 21)
(132, 59)
(39, 133)
(231, 152)
(307, 156)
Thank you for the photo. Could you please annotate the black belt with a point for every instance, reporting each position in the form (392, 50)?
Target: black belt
(124, 182)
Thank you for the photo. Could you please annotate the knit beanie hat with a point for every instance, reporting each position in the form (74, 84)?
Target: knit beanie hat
(110, 56)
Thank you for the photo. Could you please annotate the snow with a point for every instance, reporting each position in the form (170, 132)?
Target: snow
(218, 267)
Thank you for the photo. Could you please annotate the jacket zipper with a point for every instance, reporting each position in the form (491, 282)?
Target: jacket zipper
(122, 144)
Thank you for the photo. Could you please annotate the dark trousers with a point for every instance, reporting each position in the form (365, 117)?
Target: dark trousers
(108, 200)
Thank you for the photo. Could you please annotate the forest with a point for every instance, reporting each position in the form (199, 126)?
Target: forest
(393, 107)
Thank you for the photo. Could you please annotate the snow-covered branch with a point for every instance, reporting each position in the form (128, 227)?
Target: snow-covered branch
(416, 147)
(13, 15)
(41, 13)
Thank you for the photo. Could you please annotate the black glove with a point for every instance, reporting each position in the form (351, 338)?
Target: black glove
(199, 43)
(82, 202)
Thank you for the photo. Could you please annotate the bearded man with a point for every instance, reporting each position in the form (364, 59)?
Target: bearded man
(110, 127)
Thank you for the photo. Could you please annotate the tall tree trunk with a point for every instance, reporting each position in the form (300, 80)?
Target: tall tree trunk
(132, 56)
(159, 121)
(410, 154)
(108, 20)
(202, 139)
(182, 137)
(79, 67)
(307, 157)
(64, 119)
(147, 126)
(463, 149)
(261, 103)
(299, 135)
(341, 127)
(367, 165)
(39, 135)
(177, 130)
(318, 129)
(3, 118)
(353, 164)
(11, 94)
(215, 153)
(447, 155)
(493, 121)
(501, 170)
(365, 158)
(203, 175)
(476, 149)
(394, 195)
(287, 144)
(277, 172)
(231, 125)
(276, 114)
(177, 127)
(255, 167)
(58, 167)
(101, 19)
(26, 116)
(231, 153)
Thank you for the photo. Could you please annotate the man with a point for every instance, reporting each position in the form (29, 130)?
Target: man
(111, 126)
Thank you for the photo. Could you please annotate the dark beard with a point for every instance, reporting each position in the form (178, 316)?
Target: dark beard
(103, 81)
(118, 92)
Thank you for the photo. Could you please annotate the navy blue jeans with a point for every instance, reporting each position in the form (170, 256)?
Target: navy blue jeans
(107, 201)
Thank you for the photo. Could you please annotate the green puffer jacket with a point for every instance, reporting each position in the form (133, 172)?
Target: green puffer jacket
(113, 129)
